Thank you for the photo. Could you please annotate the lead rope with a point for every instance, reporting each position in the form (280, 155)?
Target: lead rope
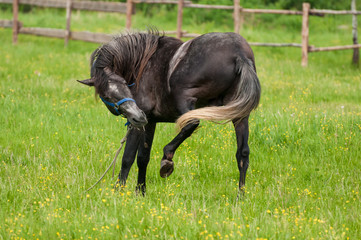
(114, 160)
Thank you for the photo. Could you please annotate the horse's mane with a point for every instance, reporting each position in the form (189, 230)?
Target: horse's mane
(127, 55)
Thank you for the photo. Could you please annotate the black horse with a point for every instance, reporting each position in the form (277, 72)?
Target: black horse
(151, 78)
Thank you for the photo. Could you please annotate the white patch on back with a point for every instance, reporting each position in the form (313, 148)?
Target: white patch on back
(177, 57)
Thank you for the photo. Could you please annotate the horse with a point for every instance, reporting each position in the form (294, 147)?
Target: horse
(148, 78)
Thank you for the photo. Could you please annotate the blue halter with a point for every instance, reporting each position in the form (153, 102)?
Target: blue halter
(116, 105)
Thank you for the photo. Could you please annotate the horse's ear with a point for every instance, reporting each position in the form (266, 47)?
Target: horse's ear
(89, 82)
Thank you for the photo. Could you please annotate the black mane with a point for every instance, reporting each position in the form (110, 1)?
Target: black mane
(126, 55)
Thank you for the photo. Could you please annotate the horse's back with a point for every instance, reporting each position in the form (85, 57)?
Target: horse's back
(229, 43)
(209, 63)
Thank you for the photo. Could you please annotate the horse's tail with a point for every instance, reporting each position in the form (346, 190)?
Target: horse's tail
(245, 99)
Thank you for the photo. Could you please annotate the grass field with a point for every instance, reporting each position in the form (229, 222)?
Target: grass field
(56, 140)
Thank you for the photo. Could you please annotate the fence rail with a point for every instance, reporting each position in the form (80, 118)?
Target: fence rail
(77, 5)
(276, 44)
(323, 49)
(128, 8)
(6, 23)
(334, 12)
(62, 33)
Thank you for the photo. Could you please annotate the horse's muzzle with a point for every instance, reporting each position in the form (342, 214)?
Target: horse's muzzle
(137, 118)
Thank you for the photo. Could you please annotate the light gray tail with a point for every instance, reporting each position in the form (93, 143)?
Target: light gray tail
(245, 99)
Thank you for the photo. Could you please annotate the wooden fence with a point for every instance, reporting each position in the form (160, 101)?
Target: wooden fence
(128, 8)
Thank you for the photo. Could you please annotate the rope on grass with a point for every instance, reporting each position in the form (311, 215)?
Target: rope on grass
(114, 160)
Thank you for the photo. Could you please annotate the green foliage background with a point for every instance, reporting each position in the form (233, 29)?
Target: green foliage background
(56, 140)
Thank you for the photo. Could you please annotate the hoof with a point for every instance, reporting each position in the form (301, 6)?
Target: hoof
(166, 168)
(140, 190)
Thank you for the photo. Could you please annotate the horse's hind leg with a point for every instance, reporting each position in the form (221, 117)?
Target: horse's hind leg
(184, 104)
(145, 146)
(242, 155)
(167, 166)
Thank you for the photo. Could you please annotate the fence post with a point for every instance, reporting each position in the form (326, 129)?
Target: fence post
(355, 57)
(305, 33)
(241, 19)
(69, 4)
(180, 18)
(236, 16)
(15, 21)
(130, 6)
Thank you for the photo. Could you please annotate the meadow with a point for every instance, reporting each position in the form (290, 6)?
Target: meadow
(56, 140)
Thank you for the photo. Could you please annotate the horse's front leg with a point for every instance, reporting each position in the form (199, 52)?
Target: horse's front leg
(242, 155)
(167, 165)
(145, 146)
(130, 151)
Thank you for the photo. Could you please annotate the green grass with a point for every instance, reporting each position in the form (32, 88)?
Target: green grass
(56, 140)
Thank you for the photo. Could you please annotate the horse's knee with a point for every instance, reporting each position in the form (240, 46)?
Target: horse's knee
(242, 156)
(127, 163)
(243, 153)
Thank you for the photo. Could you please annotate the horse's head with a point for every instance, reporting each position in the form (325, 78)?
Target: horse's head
(114, 92)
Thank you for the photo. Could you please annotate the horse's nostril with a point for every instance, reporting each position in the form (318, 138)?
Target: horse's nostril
(135, 120)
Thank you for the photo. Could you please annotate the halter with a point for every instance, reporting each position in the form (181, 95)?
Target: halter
(117, 104)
